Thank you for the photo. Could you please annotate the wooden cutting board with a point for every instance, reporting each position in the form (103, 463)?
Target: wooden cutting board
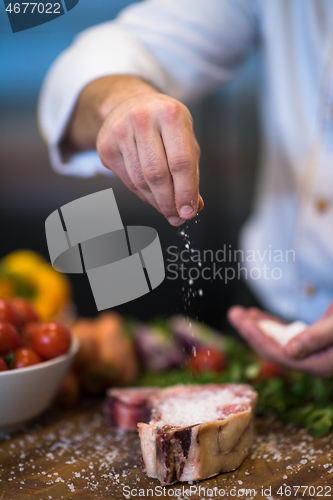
(71, 454)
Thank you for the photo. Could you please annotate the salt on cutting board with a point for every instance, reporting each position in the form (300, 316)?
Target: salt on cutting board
(280, 332)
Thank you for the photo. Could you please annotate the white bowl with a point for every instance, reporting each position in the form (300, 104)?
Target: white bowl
(27, 392)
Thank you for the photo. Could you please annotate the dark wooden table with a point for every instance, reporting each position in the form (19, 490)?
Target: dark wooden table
(71, 454)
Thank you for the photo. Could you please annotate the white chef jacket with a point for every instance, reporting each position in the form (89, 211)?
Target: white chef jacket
(186, 48)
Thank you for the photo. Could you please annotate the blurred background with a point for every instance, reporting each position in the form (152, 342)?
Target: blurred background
(226, 126)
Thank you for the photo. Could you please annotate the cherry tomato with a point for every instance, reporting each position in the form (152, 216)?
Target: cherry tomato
(206, 359)
(269, 370)
(25, 357)
(26, 334)
(25, 309)
(10, 314)
(3, 365)
(51, 340)
(9, 338)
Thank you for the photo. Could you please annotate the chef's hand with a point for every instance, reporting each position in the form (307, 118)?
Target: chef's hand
(144, 137)
(310, 351)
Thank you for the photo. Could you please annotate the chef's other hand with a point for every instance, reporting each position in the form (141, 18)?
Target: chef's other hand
(146, 138)
(310, 351)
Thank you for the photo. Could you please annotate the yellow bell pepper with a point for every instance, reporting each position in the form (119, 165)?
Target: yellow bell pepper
(27, 274)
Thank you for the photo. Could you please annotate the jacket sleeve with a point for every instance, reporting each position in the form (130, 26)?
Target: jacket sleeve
(183, 47)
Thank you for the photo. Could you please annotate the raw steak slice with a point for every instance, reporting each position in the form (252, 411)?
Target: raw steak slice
(197, 431)
(124, 408)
